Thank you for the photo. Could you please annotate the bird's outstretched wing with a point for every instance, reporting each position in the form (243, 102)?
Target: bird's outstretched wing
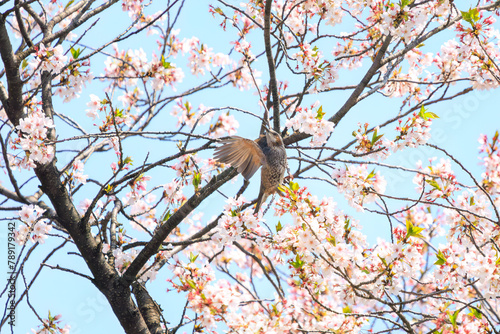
(243, 154)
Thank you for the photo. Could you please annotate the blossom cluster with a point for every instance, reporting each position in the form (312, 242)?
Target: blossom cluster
(185, 114)
(413, 133)
(314, 67)
(70, 72)
(125, 67)
(94, 105)
(78, 175)
(33, 131)
(224, 125)
(312, 122)
(124, 259)
(212, 300)
(133, 7)
(374, 147)
(141, 208)
(73, 79)
(192, 169)
(51, 59)
(201, 56)
(33, 227)
(473, 219)
(359, 186)
(406, 22)
(491, 175)
(113, 117)
(440, 179)
(234, 223)
(459, 262)
(172, 192)
(218, 300)
(320, 234)
(52, 325)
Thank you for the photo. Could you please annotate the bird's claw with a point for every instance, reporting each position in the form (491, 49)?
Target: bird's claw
(288, 178)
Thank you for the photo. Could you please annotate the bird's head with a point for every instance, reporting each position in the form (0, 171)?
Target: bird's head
(273, 138)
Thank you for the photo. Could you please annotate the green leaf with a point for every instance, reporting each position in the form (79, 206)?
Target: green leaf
(165, 63)
(109, 188)
(196, 180)
(476, 312)
(372, 174)
(426, 115)
(279, 227)
(471, 16)
(284, 188)
(298, 263)
(347, 224)
(413, 231)
(440, 258)
(405, 3)
(191, 283)
(383, 260)
(453, 318)
(127, 161)
(376, 137)
(192, 257)
(76, 53)
(69, 4)
(119, 113)
(294, 186)
(346, 309)
(320, 113)
(471, 200)
(431, 115)
(167, 215)
(332, 241)
(433, 183)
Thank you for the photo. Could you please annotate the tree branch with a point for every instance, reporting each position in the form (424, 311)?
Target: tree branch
(164, 230)
(273, 87)
(149, 309)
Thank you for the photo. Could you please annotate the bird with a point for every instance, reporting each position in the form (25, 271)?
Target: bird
(248, 155)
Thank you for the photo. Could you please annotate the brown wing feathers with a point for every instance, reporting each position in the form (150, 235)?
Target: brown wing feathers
(243, 154)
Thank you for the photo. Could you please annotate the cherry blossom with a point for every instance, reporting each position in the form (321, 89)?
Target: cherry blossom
(49, 58)
(442, 182)
(387, 261)
(33, 139)
(312, 122)
(32, 227)
(51, 324)
(374, 147)
(78, 175)
(359, 185)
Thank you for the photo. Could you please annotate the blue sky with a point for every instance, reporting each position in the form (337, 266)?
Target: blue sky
(83, 306)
